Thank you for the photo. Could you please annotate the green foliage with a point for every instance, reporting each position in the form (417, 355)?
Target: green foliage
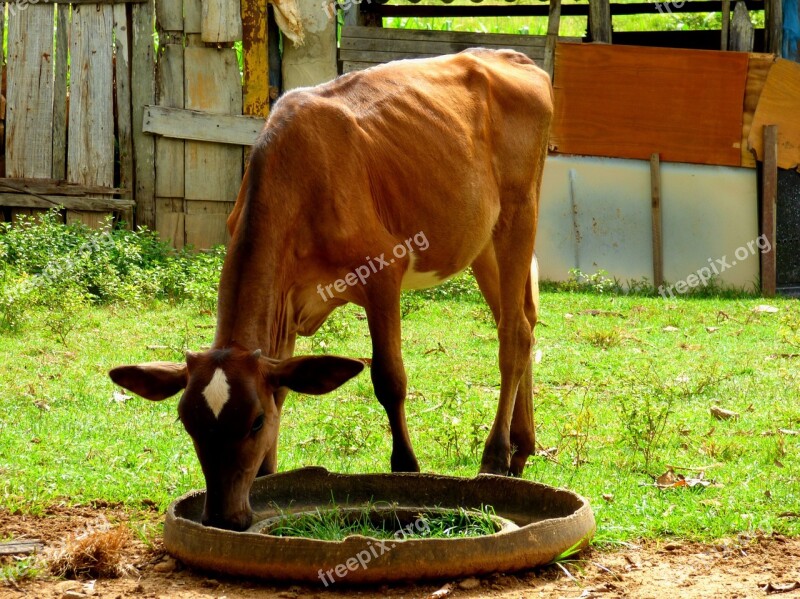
(47, 264)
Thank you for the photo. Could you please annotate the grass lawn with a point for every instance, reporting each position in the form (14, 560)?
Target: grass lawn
(623, 390)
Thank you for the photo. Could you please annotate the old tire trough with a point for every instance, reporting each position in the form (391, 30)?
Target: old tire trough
(545, 522)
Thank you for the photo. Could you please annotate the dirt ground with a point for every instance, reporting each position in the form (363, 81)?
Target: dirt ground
(745, 567)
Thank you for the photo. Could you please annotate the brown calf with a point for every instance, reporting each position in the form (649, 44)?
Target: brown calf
(397, 177)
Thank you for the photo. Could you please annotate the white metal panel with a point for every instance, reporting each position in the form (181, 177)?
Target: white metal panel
(595, 214)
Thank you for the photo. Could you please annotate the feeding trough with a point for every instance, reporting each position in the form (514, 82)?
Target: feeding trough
(535, 524)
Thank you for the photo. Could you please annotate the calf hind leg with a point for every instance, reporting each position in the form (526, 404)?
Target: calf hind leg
(514, 311)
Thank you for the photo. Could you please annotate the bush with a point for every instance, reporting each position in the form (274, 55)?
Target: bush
(46, 263)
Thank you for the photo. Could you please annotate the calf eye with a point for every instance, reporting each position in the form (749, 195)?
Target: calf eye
(258, 424)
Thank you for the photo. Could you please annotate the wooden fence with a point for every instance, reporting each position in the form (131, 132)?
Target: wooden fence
(102, 112)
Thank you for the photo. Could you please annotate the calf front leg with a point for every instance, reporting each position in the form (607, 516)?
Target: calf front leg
(389, 375)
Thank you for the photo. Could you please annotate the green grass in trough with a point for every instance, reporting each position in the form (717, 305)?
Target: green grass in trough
(333, 523)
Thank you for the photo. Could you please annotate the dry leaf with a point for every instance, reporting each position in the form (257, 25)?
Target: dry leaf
(568, 315)
(723, 414)
(772, 587)
(765, 308)
(711, 329)
(445, 591)
(609, 497)
(120, 397)
(670, 329)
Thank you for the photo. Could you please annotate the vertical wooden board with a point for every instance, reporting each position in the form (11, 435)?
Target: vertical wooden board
(29, 115)
(143, 94)
(769, 198)
(742, 31)
(213, 171)
(169, 15)
(90, 143)
(600, 21)
(29, 95)
(758, 66)
(192, 16)
(212, 84)
(122, 76)
(256, 57)
(170, 152)
(221, 21)
(170, 221)
(60, 93)
(206, 223)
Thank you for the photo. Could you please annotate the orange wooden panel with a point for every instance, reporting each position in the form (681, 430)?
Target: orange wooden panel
(632, 102)
(780, 105)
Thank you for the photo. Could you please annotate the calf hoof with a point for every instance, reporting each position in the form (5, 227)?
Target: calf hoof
(494, 464)
(404, 462)
(518, 462)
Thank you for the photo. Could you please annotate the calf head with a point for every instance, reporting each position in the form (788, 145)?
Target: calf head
(229, 409)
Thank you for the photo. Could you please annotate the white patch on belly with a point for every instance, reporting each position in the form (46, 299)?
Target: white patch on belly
(217, 392)
(413, 279)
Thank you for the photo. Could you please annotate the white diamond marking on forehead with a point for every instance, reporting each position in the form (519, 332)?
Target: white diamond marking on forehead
(217, 392)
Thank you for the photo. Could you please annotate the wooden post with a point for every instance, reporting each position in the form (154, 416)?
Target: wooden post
(742, 31)
(726, 24)
(256, 58)
(769, 195)
(600, 21)
(655, 197)
(122, 77)
(773, 26)
(60, 93)
(553, 22)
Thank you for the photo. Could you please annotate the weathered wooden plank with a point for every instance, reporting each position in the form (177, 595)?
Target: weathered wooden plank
(143, 94)
(758, 67)
(29, 113)
(171, 218)
(29, 116)
(60, 93)
(201, 126)
(122, 66)
(496, 39)
(778, 105)
(742, 31)
(20, 547)
(212, 84)
(256, 58)
(169, 15)
(192, 16)
(773, 25)
(769, 197)
(55, 187)
(348, 66)
(169, 152)
(553, 23)
(75, 203)
(221, 21)
(90, 144)
(698, 95)
(726, 24)
(206, 223)
(600, 21)
(362, 44)
(536, 54)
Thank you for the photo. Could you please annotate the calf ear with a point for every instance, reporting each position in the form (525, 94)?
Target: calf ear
(314, 375)
(152, 380)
